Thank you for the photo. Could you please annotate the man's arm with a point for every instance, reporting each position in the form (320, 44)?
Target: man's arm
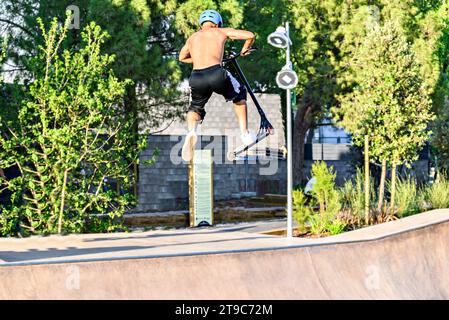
(184, 54)
(235, 34)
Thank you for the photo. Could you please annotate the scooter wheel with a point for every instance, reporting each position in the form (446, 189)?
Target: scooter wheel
(231, 156)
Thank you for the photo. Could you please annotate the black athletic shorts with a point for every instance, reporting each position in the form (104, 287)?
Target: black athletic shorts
(213, 79)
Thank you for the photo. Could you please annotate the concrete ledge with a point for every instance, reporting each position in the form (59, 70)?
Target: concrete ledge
(180, 218)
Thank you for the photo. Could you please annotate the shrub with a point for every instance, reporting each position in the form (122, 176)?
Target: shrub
(324, 189)
(301, 212)
(438, 193)
(328, 198)
(317, 224)
(70, 143)
(337, 226)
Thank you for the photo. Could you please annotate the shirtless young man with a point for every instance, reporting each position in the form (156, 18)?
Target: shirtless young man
(204, 49)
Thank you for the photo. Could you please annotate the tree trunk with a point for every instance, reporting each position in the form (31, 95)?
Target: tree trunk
(367, 183)
(131, 111)
(61, 210)
(118, 185)
(303, 122)
(382, 185)
(393, 188)
(136, 179)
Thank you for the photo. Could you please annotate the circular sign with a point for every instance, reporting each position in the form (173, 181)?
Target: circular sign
(277, 40)
(286, 79)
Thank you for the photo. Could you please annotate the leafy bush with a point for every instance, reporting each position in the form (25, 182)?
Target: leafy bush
(317, 224)
(438, 193)
(71, 142)
(337, 226)
(328, 199)
(324, 189)
(301, 212)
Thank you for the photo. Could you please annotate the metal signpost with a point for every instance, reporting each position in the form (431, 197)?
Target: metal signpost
(201, 189)
(286, 79)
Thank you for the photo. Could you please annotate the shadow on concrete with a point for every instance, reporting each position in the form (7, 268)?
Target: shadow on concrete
(159, 235)
(34, 254)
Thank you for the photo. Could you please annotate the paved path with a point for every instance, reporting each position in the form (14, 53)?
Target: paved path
(408, 258)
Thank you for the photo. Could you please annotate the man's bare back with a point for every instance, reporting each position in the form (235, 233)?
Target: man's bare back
(205, 47)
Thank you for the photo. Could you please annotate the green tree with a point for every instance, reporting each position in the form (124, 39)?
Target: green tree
(314, 25)
(143, 38)
(262, 17)
(139, 35)
(391, 102)
(71, 142)
(188, 11)
(421, 24)
(440, 140)
(324, 34)
(19, 18)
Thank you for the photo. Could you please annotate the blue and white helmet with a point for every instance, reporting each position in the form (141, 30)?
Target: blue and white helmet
(212, 16)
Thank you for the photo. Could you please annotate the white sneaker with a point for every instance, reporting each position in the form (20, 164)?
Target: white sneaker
(189, 146)
(248, 138)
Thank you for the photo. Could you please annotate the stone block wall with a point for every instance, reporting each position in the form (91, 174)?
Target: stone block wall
(220, 120)
(164, 185)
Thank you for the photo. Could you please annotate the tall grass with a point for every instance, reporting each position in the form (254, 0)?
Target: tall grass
(353, 198)
(437, 195)
(343, 208)
(408, 200)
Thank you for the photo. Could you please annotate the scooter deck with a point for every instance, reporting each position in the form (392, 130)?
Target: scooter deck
(232, 155)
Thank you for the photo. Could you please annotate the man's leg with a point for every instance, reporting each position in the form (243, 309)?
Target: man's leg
(191, 138)
(231, 89)
(192, 120)
(240, 108)
(242, 117)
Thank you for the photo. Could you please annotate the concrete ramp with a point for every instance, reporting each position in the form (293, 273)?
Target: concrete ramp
(404, 259)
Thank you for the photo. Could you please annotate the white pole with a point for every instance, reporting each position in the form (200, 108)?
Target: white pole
(289, 151)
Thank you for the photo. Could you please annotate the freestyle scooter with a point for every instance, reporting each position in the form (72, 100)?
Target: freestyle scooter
(265, 128)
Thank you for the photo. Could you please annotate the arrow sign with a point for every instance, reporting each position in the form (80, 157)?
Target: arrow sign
(286, 79)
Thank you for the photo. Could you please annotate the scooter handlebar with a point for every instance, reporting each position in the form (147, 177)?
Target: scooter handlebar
(235, 55)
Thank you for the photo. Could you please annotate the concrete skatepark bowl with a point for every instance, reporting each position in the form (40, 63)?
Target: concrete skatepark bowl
(403, 259)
